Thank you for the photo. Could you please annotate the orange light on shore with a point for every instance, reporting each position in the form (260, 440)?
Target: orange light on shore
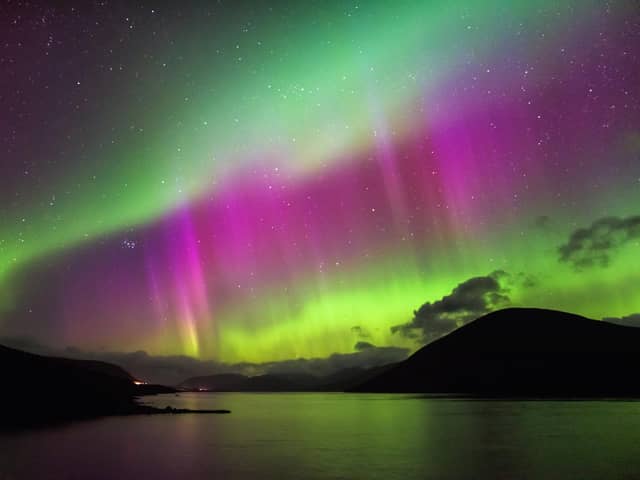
(138, 382)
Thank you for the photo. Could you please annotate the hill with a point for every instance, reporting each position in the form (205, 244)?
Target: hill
(522, 352)
(39, 389)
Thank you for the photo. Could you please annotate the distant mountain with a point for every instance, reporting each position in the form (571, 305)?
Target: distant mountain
(348, 378)
(39, 389)
(231, 382)
(522, 352)
(292, 382)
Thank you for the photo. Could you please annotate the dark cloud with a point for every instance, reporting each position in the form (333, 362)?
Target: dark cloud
(469, 300)
(632, 320)
(363, 346)
(542, 222)
(27, 344)
(525, 280)
(366, 358)
(172, 370)
(594, 246)
(360, 331)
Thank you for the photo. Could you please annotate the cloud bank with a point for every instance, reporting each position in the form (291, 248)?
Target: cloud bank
(467, 301)
(595, 245)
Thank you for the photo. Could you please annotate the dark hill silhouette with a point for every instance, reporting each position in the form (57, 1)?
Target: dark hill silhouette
(39, 389)
(522, 352)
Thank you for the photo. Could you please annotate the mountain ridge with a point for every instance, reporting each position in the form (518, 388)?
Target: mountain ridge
(43, 390)
(522, 351)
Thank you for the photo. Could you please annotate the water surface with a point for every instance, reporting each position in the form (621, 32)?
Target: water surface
(309, 436)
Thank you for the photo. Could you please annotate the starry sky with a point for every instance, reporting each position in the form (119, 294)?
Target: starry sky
(240, 181)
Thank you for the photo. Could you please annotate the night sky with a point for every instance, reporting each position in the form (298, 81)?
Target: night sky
(268, 181)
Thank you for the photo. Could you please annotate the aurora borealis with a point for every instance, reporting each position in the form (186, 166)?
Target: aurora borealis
(264, 181)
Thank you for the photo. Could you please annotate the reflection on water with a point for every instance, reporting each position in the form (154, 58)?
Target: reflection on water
(339, 436)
